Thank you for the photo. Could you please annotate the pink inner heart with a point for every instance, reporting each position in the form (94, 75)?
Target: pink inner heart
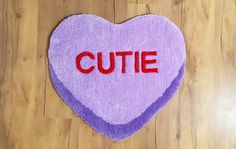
(117, 98)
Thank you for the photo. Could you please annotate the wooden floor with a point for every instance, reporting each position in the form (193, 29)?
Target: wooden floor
(202, 115)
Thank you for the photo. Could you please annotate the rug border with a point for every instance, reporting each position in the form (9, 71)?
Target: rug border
(114, 131)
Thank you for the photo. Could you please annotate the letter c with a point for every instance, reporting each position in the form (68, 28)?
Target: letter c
(78, 59)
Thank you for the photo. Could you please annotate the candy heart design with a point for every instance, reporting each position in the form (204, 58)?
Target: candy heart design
(116, 77)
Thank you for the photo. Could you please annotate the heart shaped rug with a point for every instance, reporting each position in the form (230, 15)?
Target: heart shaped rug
(116, 77)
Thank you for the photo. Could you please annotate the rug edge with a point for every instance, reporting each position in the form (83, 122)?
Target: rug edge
(115, 131)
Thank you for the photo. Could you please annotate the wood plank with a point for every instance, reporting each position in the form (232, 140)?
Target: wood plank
(18, 80)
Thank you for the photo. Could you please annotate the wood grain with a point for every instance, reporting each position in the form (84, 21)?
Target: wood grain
(202, 115)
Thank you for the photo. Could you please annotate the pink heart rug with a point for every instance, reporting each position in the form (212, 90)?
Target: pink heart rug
(116, 77)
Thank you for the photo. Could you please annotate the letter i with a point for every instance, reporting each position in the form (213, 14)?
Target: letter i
(136, 63)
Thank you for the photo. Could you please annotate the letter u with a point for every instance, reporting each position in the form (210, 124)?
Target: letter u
(100, 63)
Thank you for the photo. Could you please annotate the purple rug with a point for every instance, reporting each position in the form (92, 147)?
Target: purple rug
(116, 77)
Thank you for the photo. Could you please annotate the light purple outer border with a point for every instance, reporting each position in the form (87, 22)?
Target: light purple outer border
(114, 131)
